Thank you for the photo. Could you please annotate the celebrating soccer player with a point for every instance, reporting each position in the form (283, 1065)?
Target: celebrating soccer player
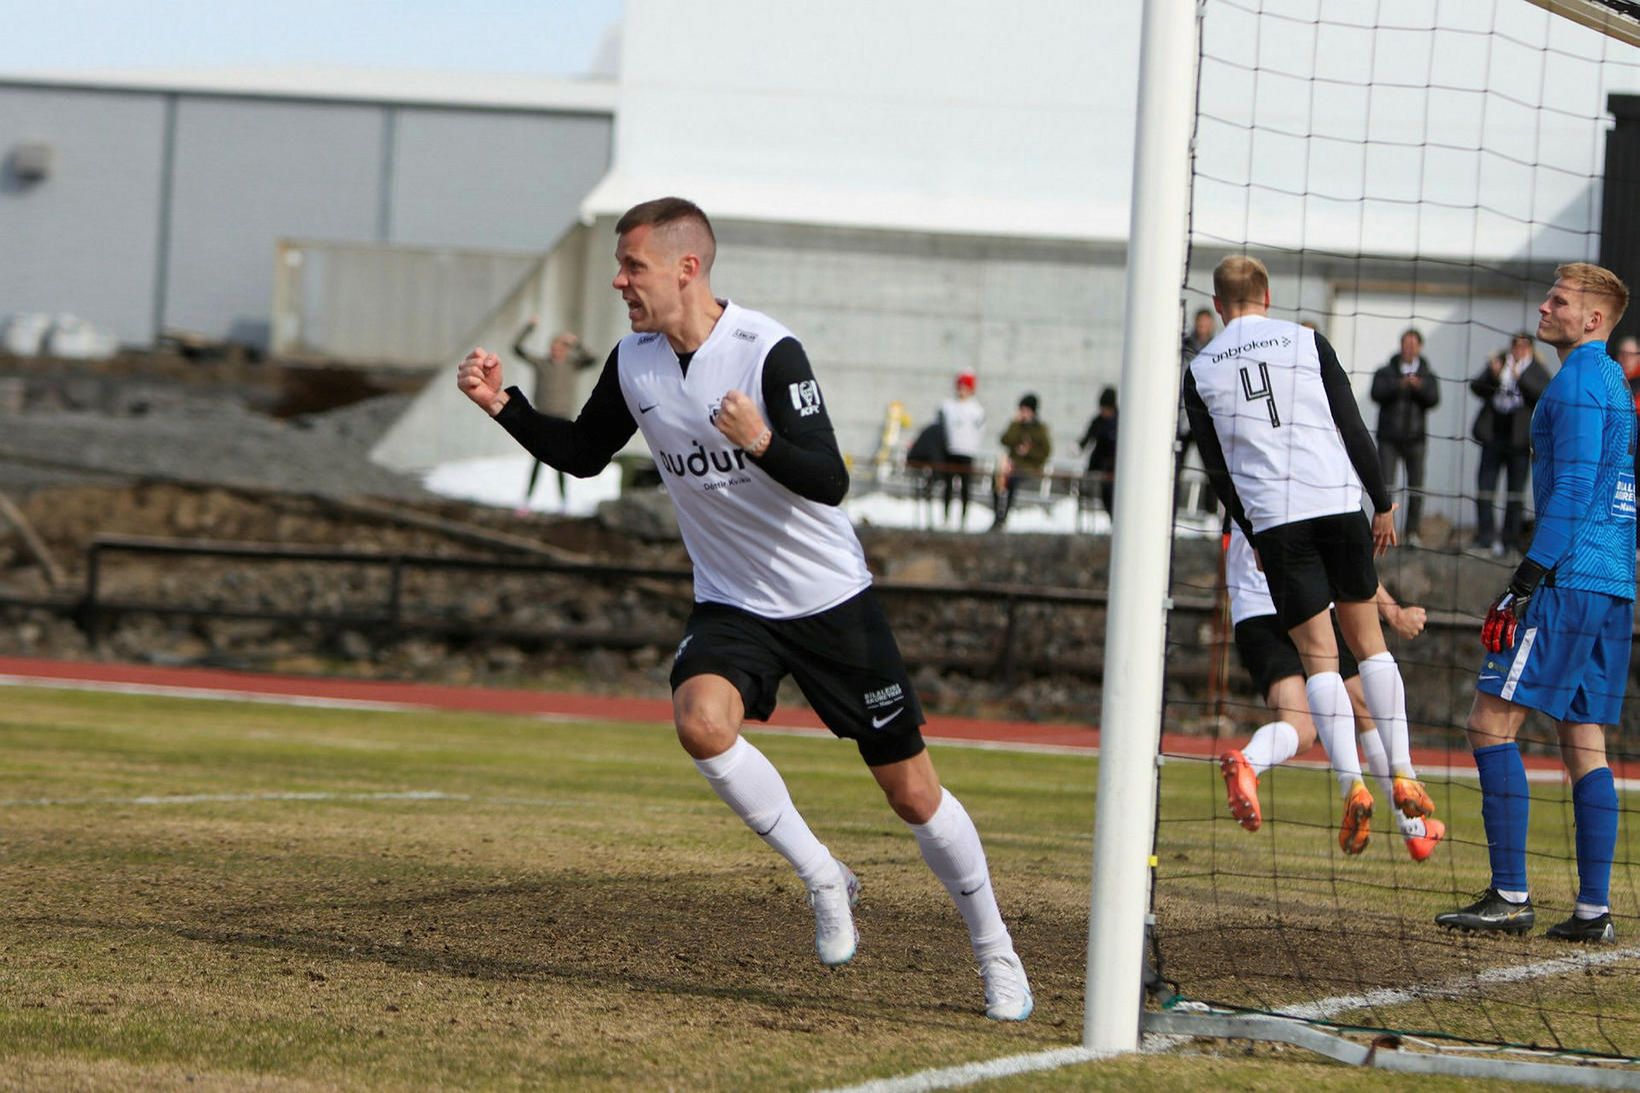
(1557, 639)
(734, 416)
(1272, 660)
(1285, 449)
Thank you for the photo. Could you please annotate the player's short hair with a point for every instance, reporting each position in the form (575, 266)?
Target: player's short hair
(1241, 279)
(1415, 332)
(677, 218)
(1595, 280)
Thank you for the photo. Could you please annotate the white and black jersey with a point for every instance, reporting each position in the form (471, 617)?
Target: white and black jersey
(765, 534)
(1249, 591)
(1279, 430)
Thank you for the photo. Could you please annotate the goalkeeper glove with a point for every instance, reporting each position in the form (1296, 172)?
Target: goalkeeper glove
(1503, 617)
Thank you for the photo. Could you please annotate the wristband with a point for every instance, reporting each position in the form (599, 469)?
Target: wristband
(1527, 577)
(757, 447)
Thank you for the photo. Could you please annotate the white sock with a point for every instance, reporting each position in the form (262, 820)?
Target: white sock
(749, 784)
(951, 847)
(1271, 746)
(1590, 910)
(1387, 702)
(1335, 724)
(1513, 897)
(1372, 749)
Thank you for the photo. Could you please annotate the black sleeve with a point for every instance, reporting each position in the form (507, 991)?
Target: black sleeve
(1347, 416)
(1386, 382)
(1207, 442)
(1533, 381)
(802, 454)
(582, 447)
(1486, 384)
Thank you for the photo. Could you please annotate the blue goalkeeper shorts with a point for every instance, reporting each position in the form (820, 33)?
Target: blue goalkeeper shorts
(1570, 660)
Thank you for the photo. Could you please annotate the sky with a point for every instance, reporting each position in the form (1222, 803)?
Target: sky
(529, 37)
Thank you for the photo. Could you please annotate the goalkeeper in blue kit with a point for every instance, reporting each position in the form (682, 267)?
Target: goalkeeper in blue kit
(1557, 639)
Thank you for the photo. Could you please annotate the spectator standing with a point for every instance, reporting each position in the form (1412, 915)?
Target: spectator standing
(1509, 387)
(554, 388)
(1026, 448)
(1405, 390)
(1099, 441)
(963, 419)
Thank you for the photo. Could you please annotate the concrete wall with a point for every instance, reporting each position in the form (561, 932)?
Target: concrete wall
(165, 207)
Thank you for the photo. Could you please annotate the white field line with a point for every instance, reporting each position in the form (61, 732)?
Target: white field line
(208, 694)
(954, 1077)
(1328, 1008)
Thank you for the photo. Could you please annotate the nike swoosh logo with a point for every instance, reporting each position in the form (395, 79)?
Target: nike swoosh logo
(1490, 675)
(879, 722)
(975, 888)
(646, 409)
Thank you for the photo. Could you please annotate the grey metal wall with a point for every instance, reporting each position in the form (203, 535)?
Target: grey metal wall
(248, 173)
(164, 209)
(86, 239)
(511, 181)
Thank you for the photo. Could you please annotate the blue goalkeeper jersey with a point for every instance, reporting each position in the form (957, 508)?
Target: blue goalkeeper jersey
(1583, 475)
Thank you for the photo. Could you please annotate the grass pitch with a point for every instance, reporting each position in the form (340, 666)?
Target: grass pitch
(239, 894)
(246, 894)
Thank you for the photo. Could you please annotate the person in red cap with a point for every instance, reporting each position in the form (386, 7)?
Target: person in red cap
(964, 421)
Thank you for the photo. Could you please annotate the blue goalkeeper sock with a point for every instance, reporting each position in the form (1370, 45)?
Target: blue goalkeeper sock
(1594, 810)
(1505, 810)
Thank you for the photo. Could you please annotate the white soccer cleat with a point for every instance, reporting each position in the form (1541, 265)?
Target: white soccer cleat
(835, 937)
(1007, 993)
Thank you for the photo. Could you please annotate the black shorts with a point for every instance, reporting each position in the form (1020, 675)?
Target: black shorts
(1312, 563)
(1269, 654)
(844, 660)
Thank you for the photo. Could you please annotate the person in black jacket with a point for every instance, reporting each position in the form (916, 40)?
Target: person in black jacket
(1405, 390)
(1508, 386)
(1100, 442)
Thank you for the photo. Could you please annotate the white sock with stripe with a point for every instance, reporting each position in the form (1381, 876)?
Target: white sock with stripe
(950, 845)
(748, 783)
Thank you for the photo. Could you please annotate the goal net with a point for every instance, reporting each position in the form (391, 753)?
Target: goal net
(1400, 167)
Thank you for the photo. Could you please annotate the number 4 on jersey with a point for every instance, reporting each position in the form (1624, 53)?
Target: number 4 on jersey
(1262, 392)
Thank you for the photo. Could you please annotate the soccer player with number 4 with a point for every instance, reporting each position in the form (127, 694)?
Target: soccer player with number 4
(1283, 443)
(1557, 639)
(732, 412)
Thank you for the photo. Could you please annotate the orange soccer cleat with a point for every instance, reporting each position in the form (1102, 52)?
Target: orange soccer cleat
(1354, 832)
(1412, 799)
(1241, 787)
(1422, 846)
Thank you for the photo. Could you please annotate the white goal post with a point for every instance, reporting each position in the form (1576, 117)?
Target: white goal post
(1136, 620)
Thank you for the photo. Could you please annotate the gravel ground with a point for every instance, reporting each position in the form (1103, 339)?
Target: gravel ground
(158, 431)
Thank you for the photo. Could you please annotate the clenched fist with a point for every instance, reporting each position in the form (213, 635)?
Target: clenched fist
(479, 378)
(739, 420)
